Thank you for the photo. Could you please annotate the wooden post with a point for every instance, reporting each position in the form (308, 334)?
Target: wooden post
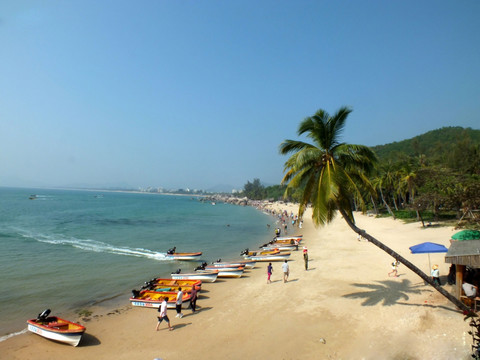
(460, 269)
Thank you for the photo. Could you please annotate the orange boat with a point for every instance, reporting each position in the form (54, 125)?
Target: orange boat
(55, 328)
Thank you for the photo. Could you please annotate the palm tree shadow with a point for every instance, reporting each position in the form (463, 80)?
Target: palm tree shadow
(387, 292)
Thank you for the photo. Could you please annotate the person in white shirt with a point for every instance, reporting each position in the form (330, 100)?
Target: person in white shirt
(286, 271)
(178, 303)
(470, 290)
(163, 314)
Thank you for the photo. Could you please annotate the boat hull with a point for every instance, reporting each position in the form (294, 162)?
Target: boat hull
(63, 335)
(183, 256)
(269, 257)
(226, 272)
(248, 264)
(212, 277)
(153, 299)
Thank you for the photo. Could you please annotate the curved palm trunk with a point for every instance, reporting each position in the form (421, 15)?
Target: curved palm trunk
(404, 261)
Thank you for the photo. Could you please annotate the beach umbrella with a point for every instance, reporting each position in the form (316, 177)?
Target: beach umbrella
(467, 235)
(428, 248)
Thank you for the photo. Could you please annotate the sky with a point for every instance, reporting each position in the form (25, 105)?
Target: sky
(195, 94)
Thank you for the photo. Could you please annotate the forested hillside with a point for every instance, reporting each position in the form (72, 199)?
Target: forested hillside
(436, 144)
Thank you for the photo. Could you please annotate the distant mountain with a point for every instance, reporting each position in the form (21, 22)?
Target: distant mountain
(433, 144)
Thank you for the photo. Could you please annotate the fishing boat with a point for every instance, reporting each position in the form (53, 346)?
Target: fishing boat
(153, 299)
(280, 247)
(184, 256)
(55, 328)
(247, 252)
(278, 257)
(205, 277)
(223, 272)
(172, 284)
(289, 238)
(249, 264)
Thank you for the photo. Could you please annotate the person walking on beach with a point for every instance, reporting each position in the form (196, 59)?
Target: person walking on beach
(193, 298)
(163, 315)
(178, 303)
(436, 275)
(286, 271)
(394, 268)
(269, 272)
(305, 257)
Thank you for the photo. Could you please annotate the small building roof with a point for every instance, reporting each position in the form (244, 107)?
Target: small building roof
(464, 253)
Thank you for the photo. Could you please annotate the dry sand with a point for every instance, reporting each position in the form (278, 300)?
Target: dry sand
(344, 307)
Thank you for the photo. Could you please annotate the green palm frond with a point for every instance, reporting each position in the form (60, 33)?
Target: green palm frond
(330, 173)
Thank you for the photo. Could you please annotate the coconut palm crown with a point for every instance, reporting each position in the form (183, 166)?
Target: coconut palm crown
(331, 173)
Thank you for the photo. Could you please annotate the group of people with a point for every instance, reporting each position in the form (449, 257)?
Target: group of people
(178, 307)
(286, 267)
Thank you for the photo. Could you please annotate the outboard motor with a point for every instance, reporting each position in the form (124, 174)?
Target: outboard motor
(135, 293)
(264, 245)
(201, 267)
(177, 272)
(43, 315)
(219, 260)
(244, 252)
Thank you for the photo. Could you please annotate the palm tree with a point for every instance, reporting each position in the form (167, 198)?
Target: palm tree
(331, 174)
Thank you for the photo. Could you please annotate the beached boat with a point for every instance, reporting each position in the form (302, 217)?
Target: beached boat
(247, 252)
(278, 257)
(281, 247)
(205, 277)
(224, 272)
(249, 264)
(55, 328)
(153, 299)
(160, 283)
(184, 256)
(288, 238)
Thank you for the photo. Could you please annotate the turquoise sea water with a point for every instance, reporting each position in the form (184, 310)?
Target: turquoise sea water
(67, 250)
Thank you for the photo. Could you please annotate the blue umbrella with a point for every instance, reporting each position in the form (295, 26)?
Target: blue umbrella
(427, 248)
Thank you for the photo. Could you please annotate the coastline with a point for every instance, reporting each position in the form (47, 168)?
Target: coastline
(344, 307)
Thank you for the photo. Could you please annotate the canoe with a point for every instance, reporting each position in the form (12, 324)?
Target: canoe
(153, 299)
(278, 257)
(210, 277)
(224, 272)
(183, 256)
(173, 283)
(288, 240)
(55, 328)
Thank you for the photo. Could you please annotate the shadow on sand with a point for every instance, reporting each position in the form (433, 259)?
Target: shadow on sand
(89, 340)
(386, 292)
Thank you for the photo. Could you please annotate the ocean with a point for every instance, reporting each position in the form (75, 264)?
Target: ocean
(69, 250)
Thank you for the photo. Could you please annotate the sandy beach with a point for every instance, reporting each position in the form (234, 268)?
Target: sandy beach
(344, 307)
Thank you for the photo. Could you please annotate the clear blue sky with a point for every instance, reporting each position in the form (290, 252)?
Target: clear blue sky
(200, 93)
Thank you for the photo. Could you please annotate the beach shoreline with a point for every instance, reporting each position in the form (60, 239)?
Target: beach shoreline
(344, 307)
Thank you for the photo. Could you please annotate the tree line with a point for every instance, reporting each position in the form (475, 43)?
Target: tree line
(407, 183)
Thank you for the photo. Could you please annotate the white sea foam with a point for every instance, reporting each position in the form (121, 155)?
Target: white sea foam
(3, 338)
(97, 246)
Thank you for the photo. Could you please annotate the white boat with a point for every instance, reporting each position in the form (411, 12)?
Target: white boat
(206, 277)
(278, 257)
(55, 328)
(249, 264)
(224, 272)
(287, 238)
(280, 247)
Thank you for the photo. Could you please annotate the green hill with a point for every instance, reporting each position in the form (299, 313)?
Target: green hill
(435, 145)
